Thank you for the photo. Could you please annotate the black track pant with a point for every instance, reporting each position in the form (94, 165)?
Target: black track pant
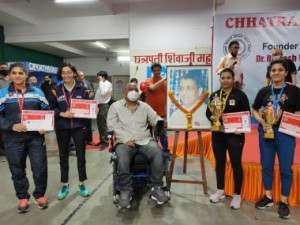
(234, 144)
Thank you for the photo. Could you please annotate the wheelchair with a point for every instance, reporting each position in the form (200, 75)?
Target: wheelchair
(139, 168)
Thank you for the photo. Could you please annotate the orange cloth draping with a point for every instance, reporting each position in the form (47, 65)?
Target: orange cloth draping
(252, 188)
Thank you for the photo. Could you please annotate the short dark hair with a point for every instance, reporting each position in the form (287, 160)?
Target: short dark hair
(234, 42)
(103, 74)
(134, 80)
(3, 63)
(195, 75)
(278, 61)
(155, 65)
(227, 70)
(66, 64)
(18, 64)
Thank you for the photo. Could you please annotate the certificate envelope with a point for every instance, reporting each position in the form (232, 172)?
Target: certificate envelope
(290, 124)
(36, 120)
(84, 108)
(237, 122)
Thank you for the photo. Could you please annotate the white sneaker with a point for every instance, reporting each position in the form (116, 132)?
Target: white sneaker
(217, 196)
(235, 202)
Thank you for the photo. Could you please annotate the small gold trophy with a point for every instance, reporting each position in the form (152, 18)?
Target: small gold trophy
(270, 118)
(216, 106)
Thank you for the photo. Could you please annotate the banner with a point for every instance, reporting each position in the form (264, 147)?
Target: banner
(258, 35)
(141, 60)
(33, 67)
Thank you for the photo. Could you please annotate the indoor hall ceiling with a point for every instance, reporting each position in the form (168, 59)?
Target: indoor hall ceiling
(29, 12)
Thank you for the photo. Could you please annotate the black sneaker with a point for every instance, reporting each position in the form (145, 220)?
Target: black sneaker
(283, 210)
(125, 198)
(158, 194)
(264, 203)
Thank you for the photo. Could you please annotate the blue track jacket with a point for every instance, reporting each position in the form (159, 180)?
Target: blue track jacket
(34, 99)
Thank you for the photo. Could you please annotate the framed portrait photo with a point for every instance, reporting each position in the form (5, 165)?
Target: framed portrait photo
(188, 91)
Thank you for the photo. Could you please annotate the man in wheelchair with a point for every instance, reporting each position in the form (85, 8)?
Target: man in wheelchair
(129, 119)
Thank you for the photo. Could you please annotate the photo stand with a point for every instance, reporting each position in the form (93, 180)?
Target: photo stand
(201, 157)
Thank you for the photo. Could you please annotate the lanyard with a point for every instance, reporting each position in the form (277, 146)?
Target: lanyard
(221, 93)
(67, 100)
(20, 101)
(276, 100)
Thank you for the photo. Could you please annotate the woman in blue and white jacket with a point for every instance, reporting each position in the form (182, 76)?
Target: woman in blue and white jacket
(19, 142)
(66, 126)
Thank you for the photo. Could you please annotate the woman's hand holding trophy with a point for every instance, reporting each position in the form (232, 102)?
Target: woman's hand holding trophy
(216, 106)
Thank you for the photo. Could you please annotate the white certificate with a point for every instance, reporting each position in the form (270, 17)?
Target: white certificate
(36, 120)
(84, 108)
(237, 122)
(290, 124)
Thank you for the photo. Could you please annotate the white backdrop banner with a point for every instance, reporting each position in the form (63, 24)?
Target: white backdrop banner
(258, 35)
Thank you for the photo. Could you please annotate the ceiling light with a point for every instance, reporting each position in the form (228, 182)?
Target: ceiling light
(123, 58)
(123, 51)
(73, 1)
(100, 44)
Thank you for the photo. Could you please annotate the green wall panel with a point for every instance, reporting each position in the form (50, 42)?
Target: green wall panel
(12, 53)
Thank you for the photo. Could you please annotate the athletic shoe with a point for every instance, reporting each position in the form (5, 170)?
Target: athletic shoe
(125, 198)
(235, 202)
(23, 205)
(42, 202)
(217, 196)
(83, 190)
(264, 203)
(64, 191)
(283, 210)
(158, 194)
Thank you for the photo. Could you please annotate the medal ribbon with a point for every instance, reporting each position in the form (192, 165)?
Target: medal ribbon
(68, 100)
(20, 101)
(221, 94)
(276, 100)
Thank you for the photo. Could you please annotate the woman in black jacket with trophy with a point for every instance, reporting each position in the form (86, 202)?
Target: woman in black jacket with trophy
(227, 100)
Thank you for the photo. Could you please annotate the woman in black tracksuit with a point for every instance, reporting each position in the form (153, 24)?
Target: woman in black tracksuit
(66, 126)
(235, 101)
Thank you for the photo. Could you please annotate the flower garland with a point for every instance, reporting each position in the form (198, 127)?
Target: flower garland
(189, 113)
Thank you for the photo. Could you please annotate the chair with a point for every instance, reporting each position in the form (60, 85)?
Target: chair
(139, 168)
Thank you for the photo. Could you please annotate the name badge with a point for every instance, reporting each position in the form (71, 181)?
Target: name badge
(232, 102)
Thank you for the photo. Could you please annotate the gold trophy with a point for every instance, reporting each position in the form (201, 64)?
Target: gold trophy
(216, 106)
(270, 118)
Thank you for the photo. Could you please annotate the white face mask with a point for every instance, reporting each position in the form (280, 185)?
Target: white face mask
(132, 96)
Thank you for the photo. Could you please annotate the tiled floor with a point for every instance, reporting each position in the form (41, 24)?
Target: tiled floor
(188, 204)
